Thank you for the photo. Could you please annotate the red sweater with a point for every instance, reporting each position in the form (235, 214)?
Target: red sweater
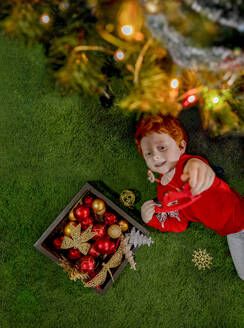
(220, 208)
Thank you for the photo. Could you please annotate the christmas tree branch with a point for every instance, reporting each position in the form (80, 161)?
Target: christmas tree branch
(93, 48)
(140, 60)
(227, 15)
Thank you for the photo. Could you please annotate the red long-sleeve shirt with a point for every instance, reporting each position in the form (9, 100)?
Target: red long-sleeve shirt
(219, 208)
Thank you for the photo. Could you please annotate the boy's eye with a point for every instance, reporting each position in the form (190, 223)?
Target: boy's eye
(148, 154)
(161, 148)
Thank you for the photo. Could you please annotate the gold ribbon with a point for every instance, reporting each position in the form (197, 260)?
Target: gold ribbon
(99, 279)
(78, 240)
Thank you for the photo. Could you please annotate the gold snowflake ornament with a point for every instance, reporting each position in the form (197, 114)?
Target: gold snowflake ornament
(202, 259)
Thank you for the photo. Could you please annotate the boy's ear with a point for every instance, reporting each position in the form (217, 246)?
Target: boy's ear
(182, 146)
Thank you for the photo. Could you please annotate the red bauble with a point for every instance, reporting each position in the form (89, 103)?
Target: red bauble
(58, 242)
(81, 212)
(93, 251)
(74, 254)
(88, 201)
(105, 245)
(100, 229)
(85, 223)
(87, 264)
(112, 247)
(92, 274)
(110, 218)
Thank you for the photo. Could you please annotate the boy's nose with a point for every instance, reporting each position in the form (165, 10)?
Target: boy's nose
(156, 156)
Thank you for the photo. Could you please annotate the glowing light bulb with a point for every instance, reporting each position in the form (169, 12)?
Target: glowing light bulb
(119, 55)
(45, 19)
(215, 100)
(191, 99)
(127, 29)
(174, 83)
(152, 7)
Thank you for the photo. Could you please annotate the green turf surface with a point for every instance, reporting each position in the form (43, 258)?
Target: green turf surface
(50, 146)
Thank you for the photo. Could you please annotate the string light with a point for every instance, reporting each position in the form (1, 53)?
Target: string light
(174, 83)
(119, 55)
(215, 100)
(45, 19)
(152, 6)
(191, 99)
(127, 29)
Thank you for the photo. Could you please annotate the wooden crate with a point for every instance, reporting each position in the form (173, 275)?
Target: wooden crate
(44, 243)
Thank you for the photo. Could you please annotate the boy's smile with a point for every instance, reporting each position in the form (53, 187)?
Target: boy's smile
(161, 152)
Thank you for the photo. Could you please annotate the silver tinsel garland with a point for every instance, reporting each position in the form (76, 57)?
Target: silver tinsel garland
(225, 13)
(185, 55)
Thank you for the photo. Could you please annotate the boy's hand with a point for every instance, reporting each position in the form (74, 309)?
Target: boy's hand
(147, 210)
(199, 174)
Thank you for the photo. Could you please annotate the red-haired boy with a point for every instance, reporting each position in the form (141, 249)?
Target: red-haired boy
(161, 140)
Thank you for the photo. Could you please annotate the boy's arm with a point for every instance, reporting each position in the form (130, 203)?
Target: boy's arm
(199, 174)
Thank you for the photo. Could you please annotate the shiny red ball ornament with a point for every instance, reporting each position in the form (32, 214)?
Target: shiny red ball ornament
(93, 251)
(87, 264)
(100, 229)
(87, 201)
(92, 274)
(105, 245)
(110, 218)
(81, 212)
(74, 254)
(85, 223)
(58, 242)
(112, 247)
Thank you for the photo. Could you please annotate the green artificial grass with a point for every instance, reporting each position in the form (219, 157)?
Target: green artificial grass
(50, 146)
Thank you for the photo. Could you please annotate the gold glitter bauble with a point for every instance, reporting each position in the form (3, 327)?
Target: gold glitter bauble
(98, 205)
(71, 216)
(123, 225)
(67, 228)
(101, 212)
(127, 198)
(114, 231)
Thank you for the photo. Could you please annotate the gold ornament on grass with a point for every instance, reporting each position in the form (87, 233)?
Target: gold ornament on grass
(78, 240)
(127, 198)
(202, 259)
(99, 279)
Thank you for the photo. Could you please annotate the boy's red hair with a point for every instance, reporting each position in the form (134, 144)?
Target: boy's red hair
(159, 124)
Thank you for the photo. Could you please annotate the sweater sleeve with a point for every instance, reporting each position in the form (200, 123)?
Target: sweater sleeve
(170, 223)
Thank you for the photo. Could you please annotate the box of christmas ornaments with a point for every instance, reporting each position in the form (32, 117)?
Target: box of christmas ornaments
(93, 239)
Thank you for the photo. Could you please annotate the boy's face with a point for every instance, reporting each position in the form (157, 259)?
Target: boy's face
(161, 152)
